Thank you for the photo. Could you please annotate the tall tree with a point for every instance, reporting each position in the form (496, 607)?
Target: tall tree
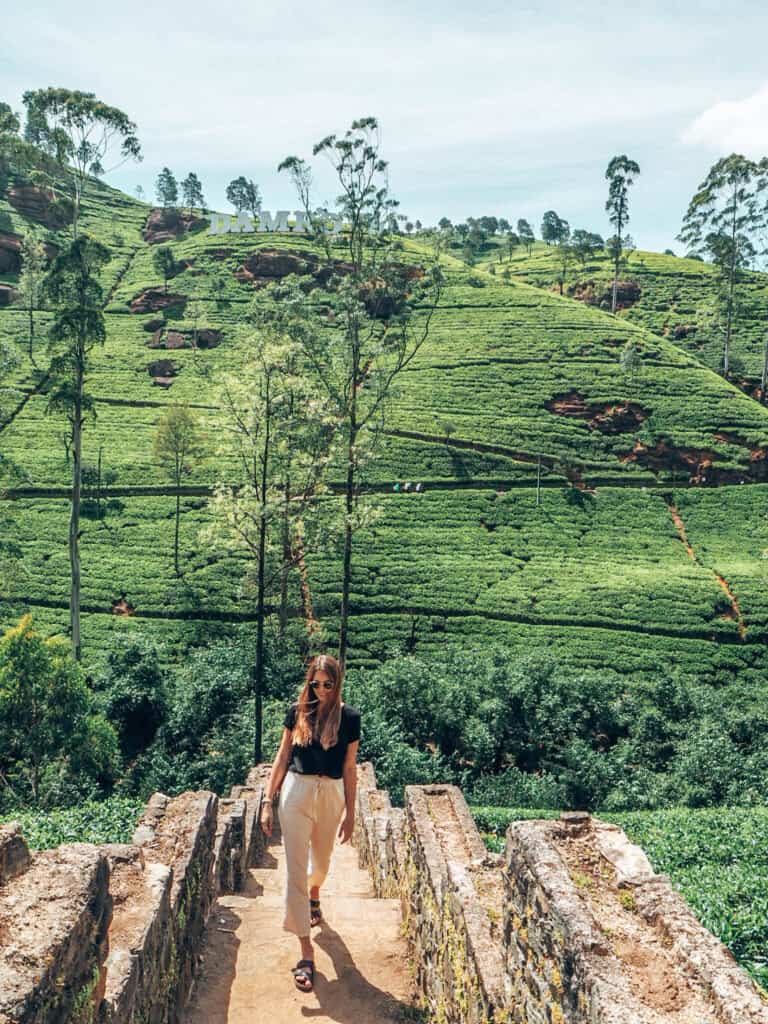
(276, 438)
(177, 446)
(553, 228)
(722, 218)
(78, 129)
(565, 251)
(164, 263)
(513, 240)
(73, 288)
(192, 191)
(167, 188)
(620, 174)
(11, 555)
(373, 300)
(243, 194)
(586, 244)
(527, 237)
(33, 262)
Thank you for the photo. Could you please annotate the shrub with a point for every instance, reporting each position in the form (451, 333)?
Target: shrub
(54, 745)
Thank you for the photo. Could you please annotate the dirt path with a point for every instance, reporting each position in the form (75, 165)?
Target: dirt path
(361, 968)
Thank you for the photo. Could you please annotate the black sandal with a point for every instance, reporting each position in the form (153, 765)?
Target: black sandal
(315, 913)
(307, 969)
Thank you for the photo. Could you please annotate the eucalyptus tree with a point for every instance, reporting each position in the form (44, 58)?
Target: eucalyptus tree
(525, 232)
(33, 263)
(620, 173)
(380, 309)
(722, 220)
(73, 288)
(78, 129)
(164, 263)
(192, 192)
(275, 438)
(167, 188)
(512, 240)
(243, 194)
(586, 244)
(11, 556)
(177, 446)
(565, 251)
(553, 228)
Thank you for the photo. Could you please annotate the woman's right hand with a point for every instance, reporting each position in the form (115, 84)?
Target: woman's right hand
(266, 818)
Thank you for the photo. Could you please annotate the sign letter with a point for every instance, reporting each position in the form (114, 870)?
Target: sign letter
(277, 223)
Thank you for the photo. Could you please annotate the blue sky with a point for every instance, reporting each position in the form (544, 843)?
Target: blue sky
(499, 108)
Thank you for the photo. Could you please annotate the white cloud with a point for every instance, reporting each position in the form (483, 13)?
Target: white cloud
(729, 126)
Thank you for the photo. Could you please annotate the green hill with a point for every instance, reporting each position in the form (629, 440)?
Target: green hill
(670, 295)
(643, 551)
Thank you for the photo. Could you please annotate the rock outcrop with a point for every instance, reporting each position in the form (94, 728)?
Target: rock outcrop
(165, 224)
(41, 205)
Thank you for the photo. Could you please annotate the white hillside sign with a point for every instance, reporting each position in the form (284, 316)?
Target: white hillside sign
(226, 224)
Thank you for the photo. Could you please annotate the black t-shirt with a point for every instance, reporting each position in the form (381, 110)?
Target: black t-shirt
(313, 760)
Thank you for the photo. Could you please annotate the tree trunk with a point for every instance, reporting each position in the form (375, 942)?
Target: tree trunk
(728, 322)
(258, 668)
(764, 376)
(731, 284)
(74, 519)
(31, 327)
(287, 555)
(347, 568)
(176, 536)
(258, 675)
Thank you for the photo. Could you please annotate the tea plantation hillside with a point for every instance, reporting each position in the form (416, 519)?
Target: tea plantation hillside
(643, 551)
(672, 296)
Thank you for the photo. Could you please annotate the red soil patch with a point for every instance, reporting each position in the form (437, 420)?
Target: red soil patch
(607, 417)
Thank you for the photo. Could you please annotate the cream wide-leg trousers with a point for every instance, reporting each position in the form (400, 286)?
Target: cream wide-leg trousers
(310, 809)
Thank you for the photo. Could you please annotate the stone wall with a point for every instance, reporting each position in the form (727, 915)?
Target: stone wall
(113, 934)
(569, 924)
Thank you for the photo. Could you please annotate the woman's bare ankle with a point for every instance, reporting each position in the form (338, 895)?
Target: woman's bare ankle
(307, 951)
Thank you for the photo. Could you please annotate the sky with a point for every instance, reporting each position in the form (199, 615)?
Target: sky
(499, 108)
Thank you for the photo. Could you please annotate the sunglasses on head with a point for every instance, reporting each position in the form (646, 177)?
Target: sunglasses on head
(316, 682)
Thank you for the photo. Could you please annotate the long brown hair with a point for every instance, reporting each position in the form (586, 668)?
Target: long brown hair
(310, 723)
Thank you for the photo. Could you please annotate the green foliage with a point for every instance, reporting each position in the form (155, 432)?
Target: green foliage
(539, 732)
(55, 747)
(92, 821)
(206, 740)
(167, 188)
(132, 687)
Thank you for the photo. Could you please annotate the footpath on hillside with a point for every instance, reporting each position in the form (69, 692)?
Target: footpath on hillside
(361, 960)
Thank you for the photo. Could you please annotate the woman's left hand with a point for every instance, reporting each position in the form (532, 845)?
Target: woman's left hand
(347, 827)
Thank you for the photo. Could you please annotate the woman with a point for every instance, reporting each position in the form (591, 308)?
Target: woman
(317, 758)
